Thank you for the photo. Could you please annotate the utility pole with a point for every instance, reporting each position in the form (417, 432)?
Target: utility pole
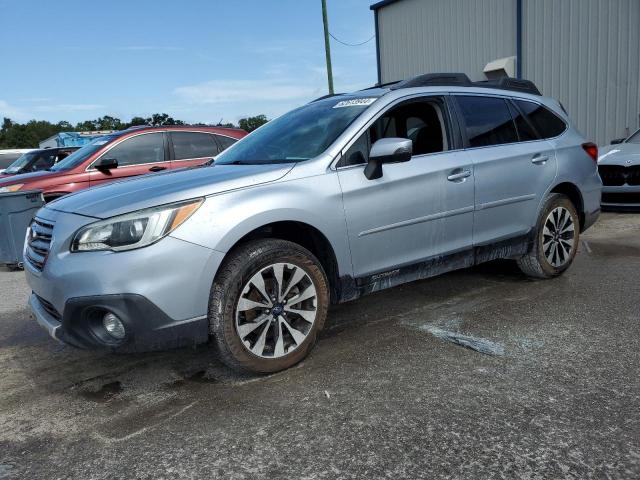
(327, 47)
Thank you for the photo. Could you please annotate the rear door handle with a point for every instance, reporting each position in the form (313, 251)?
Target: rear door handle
(540, 159)
(459, 175)
(157, 168)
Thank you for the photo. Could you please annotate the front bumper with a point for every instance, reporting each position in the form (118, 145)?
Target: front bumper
(621, 197)
(147, 327)
(160, 292)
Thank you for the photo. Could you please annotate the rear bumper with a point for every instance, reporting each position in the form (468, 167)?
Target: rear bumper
(147, 327)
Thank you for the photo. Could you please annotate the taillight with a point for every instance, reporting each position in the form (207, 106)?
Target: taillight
(592, 150)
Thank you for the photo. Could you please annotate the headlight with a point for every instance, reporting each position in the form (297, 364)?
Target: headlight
(11, 188)
(134, 230)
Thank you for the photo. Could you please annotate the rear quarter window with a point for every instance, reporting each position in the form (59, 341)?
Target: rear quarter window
(546, 123)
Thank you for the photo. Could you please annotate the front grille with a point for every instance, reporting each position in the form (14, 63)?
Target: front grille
(617, 175)
(49, 308)
(629, 198)
(38, 243)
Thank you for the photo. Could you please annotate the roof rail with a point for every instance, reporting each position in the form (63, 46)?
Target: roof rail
(380, 85)
(462, 80)
(435, 79)
(514, 84)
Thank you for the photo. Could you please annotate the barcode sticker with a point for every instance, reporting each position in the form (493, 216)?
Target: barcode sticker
(355, 102)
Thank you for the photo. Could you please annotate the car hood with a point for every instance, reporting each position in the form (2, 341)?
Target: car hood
(6, 180)
(625, 154)
(152, 190)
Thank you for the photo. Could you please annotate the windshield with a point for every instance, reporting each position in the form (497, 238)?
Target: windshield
(79, 156)
(21, 162)
(635, 138)
(299, 135)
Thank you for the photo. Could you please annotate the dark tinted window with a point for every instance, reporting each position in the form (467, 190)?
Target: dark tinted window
(43, 161)
(225, 142)
(547, 123)
(193, 145)
(525, 132)
(487, 120)
(145, 148)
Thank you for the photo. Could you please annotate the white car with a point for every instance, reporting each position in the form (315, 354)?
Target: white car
(619, 168)
(7, 157)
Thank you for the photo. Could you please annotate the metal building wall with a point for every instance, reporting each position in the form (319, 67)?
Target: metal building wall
(586, 53)
(420, 36)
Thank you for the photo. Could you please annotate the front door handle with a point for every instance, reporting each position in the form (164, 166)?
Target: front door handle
(459, 175)
(157, 168)
(540, 159)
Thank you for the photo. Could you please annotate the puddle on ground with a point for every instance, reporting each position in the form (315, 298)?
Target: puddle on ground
(104, 394)
(6, 470)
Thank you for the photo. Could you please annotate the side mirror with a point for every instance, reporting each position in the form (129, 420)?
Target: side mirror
(106, 164)
(387, 150)
(617, 141)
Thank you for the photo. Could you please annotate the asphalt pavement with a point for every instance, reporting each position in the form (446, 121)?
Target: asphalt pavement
(480, 373)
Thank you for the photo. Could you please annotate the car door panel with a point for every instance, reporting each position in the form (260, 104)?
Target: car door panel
(413, 213)
(511, 175)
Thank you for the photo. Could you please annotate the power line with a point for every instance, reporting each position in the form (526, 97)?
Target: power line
(351, 44)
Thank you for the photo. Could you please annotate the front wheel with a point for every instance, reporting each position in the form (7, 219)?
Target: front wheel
(268, 303)
(556, 242)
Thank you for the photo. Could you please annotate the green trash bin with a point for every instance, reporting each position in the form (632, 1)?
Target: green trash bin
(17, 209)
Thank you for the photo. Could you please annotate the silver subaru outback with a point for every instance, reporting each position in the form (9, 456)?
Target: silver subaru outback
(344, 196)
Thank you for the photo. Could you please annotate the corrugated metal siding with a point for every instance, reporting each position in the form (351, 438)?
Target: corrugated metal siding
(421, 36)
(586, 53)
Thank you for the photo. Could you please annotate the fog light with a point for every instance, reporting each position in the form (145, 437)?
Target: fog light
(113, 326)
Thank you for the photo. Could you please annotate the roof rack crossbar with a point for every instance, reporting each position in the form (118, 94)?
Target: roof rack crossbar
(462, 80)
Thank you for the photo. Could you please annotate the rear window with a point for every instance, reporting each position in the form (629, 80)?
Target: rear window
(546, 123)
(487, 121)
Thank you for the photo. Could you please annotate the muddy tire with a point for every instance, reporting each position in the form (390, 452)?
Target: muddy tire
(557, 238)
(268, 302)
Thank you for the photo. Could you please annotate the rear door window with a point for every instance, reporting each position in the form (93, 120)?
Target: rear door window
(487, 121)
(546, 123)
(193, 145)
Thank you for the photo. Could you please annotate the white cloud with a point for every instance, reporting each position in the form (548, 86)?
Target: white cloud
(225, 91)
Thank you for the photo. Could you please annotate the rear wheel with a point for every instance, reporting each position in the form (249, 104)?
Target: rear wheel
(556, 242)
(268, 303)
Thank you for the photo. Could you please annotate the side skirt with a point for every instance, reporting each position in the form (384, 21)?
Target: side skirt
(353, 288)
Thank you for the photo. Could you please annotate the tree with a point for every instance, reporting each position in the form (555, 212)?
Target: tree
(160, 119)
(251, 123)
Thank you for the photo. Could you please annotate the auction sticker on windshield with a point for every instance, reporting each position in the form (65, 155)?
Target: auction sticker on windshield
(355, 102)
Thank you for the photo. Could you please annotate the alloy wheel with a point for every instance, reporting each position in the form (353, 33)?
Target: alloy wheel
(558, 237)
(276, 310)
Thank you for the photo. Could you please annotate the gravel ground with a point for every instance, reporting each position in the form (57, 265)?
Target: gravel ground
(475, 374)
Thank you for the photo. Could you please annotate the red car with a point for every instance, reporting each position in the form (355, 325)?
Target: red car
(136, 151)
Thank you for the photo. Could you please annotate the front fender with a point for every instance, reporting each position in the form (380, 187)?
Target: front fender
(226, 218)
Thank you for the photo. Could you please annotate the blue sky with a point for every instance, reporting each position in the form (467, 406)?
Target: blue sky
(196, 60)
